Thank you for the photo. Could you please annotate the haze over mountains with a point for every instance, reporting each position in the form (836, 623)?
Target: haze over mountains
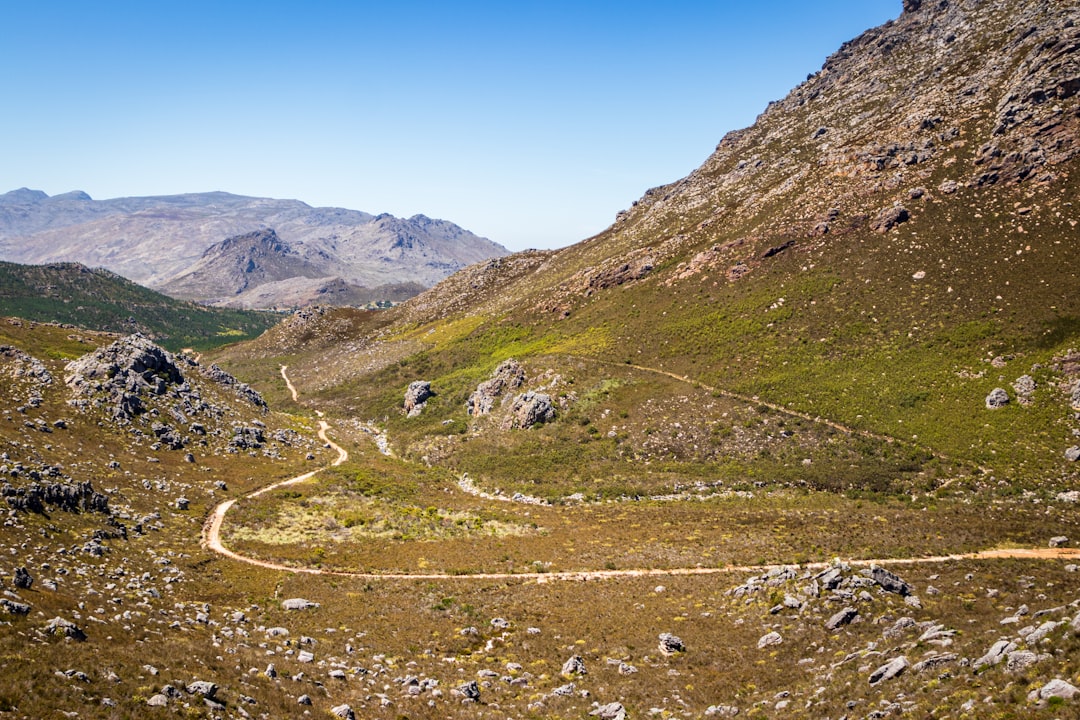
(191, 246)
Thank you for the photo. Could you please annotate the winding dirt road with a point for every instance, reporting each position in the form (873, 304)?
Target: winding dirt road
(212, 541)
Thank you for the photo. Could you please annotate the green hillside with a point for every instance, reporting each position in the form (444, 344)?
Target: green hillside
(98, 299)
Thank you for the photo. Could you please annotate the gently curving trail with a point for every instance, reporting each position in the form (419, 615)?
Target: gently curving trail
(211, 540)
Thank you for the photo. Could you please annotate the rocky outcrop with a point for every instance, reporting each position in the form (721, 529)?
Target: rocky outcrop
(70, 497)
(124, 376)
(416, 397)
(509, 375)
(531, 409)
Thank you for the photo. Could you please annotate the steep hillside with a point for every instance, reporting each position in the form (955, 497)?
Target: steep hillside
(99, 300)
(128, 235)
(883, 248)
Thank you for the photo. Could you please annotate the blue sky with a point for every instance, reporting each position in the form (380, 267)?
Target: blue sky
(530, 123)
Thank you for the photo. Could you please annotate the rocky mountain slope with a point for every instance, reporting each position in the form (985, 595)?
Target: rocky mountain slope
(798, 436)
(189, 246)
(884, 247)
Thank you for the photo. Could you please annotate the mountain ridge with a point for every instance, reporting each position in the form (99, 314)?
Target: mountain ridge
(126, 235)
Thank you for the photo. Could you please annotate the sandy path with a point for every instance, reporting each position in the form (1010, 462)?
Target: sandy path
(212, 541)
(288, 384)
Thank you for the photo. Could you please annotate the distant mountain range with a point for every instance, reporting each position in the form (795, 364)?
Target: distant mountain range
(239, 251)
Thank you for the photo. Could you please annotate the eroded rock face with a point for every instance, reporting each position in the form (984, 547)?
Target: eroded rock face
(509, 375)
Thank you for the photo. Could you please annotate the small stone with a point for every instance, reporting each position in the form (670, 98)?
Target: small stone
(203, 687)
(1059, 541)
(303, 700)
(158, 700)
(1072, 454)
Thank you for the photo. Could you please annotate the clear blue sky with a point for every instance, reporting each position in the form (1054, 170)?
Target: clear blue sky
(530, 123)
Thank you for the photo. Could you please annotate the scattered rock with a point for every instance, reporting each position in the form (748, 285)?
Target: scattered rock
(1059, 541)
(13, 607)
(574, 666)
(611, 711)
(298, 604)
(841, 618)
(470, 691)
(1072, 454)
(889, 218)
(671, 644)
(997, 398)
(158, 700)
(889, 670)
(772, 638)
(22, 579)
(60, 627)
(203, 687)
(1057, 688)
(997, 652)
(303, 700)
(889, 582)
(344, 712)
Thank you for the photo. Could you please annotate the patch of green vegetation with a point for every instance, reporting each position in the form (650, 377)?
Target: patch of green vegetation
(100, 300)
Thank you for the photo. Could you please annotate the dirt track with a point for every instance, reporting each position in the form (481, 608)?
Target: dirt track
(212, 541)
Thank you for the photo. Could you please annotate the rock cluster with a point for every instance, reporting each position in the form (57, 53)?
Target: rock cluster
(122, 376)
(509, 375)
(70, 497)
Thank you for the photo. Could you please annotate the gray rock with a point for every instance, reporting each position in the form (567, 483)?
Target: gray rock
(671, 644)
(416, 397)
(337, 674)
(889, 670)
(303, 700)
(889, 582)
(509, 375)
(772, 638)
(841, 618)
(721, 710)
(531, 409)
(1024, 387)
(934, 661)
(889, 218)
(1074, 401)
(1058, 688)
(298, 604)
(997, 652)
(469, 691)
(345, 712)
(203, 687)
(997, 398)
(305, 656)
(1019, 660)
(158, 700)
(64, 628)
(14, 608)
(611, 711)
(22, 579)
(1072, 454)
(1059, 541)
(574, 666)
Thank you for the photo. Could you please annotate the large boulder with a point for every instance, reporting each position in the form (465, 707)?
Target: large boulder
(889, 582)
(416, 397)
(531, 409)
(997, 398)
